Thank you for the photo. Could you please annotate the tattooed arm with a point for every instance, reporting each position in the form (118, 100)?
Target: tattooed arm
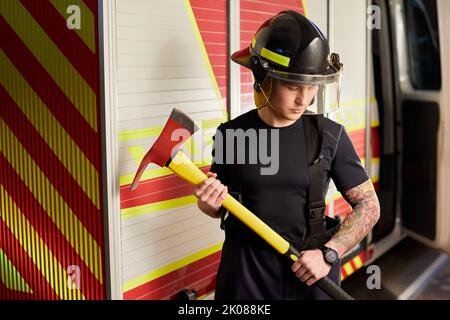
(366, 211)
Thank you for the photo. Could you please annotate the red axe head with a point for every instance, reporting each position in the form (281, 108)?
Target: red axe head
(177, 130)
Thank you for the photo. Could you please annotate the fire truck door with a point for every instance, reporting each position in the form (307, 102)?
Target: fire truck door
(420, 41)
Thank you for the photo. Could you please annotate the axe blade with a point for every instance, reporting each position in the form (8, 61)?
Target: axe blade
(178, 128)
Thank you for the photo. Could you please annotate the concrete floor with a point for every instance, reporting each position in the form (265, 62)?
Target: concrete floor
(409, 271)
(439, 287)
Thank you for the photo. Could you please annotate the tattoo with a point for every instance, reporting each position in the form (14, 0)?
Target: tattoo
(366, 211)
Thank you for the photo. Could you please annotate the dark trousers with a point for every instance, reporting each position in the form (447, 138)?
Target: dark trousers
(258, 272)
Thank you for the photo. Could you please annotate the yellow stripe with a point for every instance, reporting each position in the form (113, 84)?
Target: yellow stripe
(48, 197)
(129, 285)
(212, 123)
(204, 53)
(352, 117)
(353, 120)
(137, 153)
(305, 8)
(203, 296)
(348, 268)
(357, 102)
(157, 206)
(139, 134)
(148, 174)
(191, 149)
(337, 196)
(52, 59)
(40, 254)
(87, 21)
(154, 173)
(67, 151)
(275, 57)
(156, 131)
(9, 275)
(358, 262)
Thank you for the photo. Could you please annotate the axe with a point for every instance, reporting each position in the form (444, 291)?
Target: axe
(165, 152)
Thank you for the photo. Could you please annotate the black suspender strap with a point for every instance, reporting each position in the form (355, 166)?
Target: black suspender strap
(313, 127)
(235, 188)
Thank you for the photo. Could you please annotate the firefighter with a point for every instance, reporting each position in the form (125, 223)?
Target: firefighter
(297, 81)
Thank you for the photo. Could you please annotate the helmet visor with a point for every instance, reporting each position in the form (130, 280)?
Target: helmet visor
(328, 89)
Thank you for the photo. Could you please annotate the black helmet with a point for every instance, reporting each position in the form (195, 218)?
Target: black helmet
(292, 48)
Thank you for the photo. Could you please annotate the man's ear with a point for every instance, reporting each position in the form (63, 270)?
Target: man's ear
(312, 101)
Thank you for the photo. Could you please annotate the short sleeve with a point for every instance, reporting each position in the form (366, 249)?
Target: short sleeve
(347, 171)
(218, 155)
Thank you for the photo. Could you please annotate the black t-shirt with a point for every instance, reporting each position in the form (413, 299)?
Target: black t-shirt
(249, 268)
(280, 199)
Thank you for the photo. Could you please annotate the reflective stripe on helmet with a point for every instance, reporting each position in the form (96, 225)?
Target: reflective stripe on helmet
(275, 57)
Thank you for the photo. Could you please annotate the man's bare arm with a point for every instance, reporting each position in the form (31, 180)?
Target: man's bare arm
(366, 212)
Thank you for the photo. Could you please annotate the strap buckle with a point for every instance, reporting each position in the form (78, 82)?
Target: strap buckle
(317, 205)
(317, 211)
(318, 159)
(317, 217)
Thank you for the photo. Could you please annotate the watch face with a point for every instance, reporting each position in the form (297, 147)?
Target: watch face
(331, 256)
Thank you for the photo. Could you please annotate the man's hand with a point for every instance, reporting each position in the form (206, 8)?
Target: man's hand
(211, 194)
(311, 266)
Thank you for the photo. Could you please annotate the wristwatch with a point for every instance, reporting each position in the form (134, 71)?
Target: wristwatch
(330, 255)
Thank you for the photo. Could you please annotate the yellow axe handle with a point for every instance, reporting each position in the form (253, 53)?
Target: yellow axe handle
(185, 169)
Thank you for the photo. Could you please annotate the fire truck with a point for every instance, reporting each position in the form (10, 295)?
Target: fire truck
(86, 87)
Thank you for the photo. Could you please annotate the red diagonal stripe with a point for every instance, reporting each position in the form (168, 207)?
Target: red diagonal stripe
(198, 282)
(25, 266)
(376, 185)
(202, 287)
(342, 208)
(47, 230)
(178, 279)
(51, 235)
(155, 190)
(358, 138)
(375, 142)
(269, 8)
(50, 165)
(8, 294)
(50, 93)
(93, 6)
(68, 41)
(213, 33)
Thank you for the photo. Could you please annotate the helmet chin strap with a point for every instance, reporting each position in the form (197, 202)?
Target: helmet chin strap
(267, 99)
(275, 111)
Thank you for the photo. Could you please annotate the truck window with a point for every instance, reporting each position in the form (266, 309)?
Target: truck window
(423, 44)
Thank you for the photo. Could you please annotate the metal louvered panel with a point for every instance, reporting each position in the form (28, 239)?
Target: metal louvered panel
(170, 54)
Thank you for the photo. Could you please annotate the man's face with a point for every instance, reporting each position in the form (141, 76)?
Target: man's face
(290, 100)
